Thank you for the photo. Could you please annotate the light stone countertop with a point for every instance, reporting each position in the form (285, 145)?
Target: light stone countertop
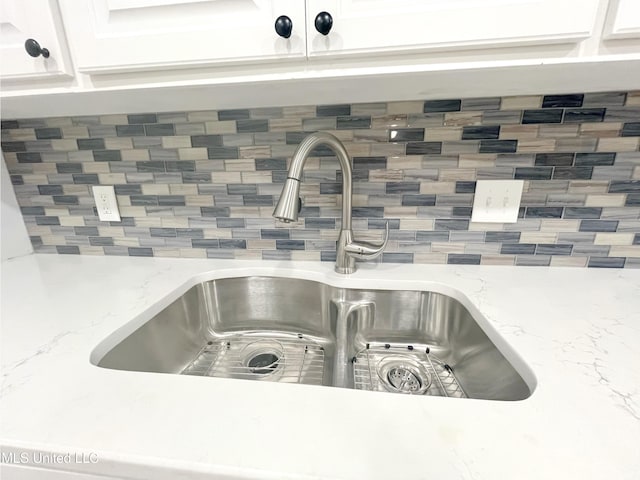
(577, 329)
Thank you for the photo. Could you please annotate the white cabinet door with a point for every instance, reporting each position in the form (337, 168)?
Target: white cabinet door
(375, 26)
(127, 35)
(37, 19)
(623, 20)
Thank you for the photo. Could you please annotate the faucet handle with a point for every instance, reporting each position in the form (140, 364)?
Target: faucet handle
(366, 250)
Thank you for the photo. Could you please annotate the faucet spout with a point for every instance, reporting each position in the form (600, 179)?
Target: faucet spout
(287, 208)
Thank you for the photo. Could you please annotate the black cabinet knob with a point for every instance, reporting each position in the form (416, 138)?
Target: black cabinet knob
(324, 22)
(284, 26)
(33, 48)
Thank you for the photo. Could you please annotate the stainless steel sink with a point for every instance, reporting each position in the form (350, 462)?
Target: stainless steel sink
(300, 331)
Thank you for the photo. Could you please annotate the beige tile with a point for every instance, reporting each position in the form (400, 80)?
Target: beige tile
(389, 121)
(386, 175)
(256, 177)
(199, 200)
(246, 212)
(442, 134)
(30, 179)
(459, 119)
(588, 186)
(193, 253)
(38, 230)
(260, 244)
(581, 144)
(415, 224)
(133, 212)
(192, 154)
(561, 261)
(126, 241)
(621, 144)
(109, 231)
(96, 167)
(405, 107)
(217, 232)
(71, 221)
(399, 212)
(64, 145)
(518, 132)
(449, 175)
(89, 250)
(430, 258)
(636, 173)
(633, 99)
(536, 145)
(203, 116)
(387, 149)
(627, 251)
(437, 187)
(404, 163)
(611, 200)
(114, 120)
(178, 141)
(183, 189)
(497, 259)
(521, 102)
(58, 121)
(225, 177)
(477, 160)
(227, 126)
(445, 247)
(255, 152)
(613, 239)
(19, 134)
(134, 155)
(174, 222)
(558, 131)
(247, 254)
(358, 149)
(538, 237)
(75, 132)
(53, 240)
(304, 111)
(155, 189)
(112, 178)
(44, 168)
(123, 200)
(149, 222)
(167, 252)
(118, 143)
(242, 165)
(285, 124)
(558, 225)
(305, 256)
(601, 129)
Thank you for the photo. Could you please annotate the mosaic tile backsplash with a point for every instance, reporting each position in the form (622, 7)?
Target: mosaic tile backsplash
(204, 184)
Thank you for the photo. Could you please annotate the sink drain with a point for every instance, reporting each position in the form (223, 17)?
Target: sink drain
(263, 363)
(401, 374)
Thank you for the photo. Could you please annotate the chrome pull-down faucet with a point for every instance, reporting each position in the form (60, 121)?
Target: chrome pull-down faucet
(348, 250)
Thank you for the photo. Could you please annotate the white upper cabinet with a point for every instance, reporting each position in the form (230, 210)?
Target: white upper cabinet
(21, 20)
(623, 20)
(375, 26)
(110, 36)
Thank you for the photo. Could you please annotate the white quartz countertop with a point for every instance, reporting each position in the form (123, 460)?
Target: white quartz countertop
(577, 329)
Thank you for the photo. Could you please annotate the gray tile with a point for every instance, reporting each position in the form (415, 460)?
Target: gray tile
(598, 226)
(594, 159)
(239, 114)
(500, 237)
(477, 132)
(582, 212)
(442, 106)
(68, 249)
(353, 122)
(159, 130)
(392, 257)
(553, 249)
(143, 118)
(604, 99)
(423, 148)
(533, 260)
(631, 129)
(107, 155)
(606, 262)
(584, 115)
(518, 249)
(90, 143)
(570, 100)
(333, 110)
(463, 259)
(130, 130)
(48, 133)
(248, 126)
(289, 244)
(553, 115)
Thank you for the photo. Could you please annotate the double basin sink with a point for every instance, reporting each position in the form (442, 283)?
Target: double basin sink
(300, 331)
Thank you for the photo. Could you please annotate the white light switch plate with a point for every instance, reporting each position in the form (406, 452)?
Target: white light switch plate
(106, 203)
(497, 201)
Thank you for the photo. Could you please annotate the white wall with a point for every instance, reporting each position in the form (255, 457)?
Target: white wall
(14, 239)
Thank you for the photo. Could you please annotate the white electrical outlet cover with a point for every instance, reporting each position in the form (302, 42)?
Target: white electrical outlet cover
(497, 201)
(106, 203)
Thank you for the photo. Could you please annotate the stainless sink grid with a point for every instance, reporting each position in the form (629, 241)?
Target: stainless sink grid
(279, 357)
(404, 369)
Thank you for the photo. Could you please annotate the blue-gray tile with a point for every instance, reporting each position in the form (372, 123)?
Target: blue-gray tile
(402, 187)
(369, 163)
(630, 129)
(465, 187)
(229, 243)
(533, 173)
(90, 143)
(533, 260)
(222, 153)
(406, 134)
(584, 115)
(238, 114)
(159, 130)
(50, 189)
(498, 237)
(155, 166)
(625, 186)
(48, 133)
(463, 259)
(553, 249)
(162, 232)
(107, 155)
(368, 212)
(17, 180)
(418, 200)
(86, 178)
(544, 212)
(423, 148)
(206, 140)
(594, 159)
(333, 110)
(572, 100)
(636, 239)
(554, 159)
(47, 220)
(606, 262)
(442, 106)
(65, 200)
(143, 200)
(271, 164)
(171, 200)
(29, 157)
(498, 146)
(381, 224)
(32, 210)
(353, 122)
(330, 188)
(224, 222)
(393, 257)
(142, 118)
(68, 249)
(479, 132)
(13, 147)
(250, 126)
(101, 241)
(69, 167)
(462, 212)
(182, 166)
(598, 225)
(453, 224)
(214, 211)
(275, 233)
(518, 249)
(140, 252)
(289, 244)
(9, 124)
(92, 231)
(130, 130)
(582, 212)
(633, 199)
(258, 200)
(572, 173)
(552, 115)
(432, 236)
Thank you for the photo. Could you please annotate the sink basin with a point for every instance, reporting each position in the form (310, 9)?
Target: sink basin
(301, 331)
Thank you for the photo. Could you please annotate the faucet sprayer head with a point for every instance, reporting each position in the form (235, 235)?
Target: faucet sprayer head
(288, 205)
